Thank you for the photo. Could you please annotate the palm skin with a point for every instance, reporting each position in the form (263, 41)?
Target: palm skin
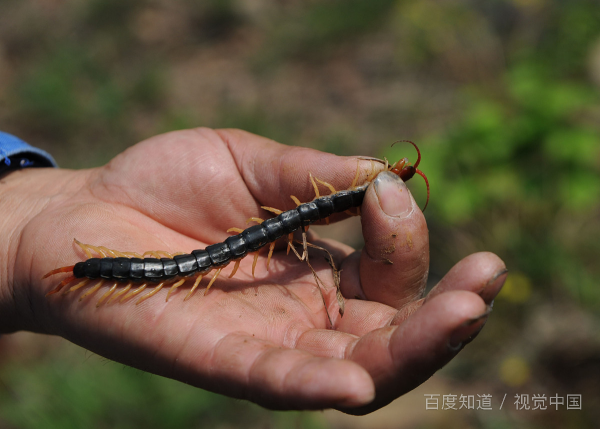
(266, 339)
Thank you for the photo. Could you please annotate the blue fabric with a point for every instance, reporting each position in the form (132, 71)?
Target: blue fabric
(15, 153)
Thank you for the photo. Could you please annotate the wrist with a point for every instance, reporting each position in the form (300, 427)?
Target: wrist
(24, 195)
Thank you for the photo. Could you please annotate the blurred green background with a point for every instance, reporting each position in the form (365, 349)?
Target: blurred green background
(502, 96)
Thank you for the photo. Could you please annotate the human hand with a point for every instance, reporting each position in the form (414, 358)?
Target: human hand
(266, 338)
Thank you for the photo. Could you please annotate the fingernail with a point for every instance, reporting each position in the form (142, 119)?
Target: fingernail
(465, 333)
(394, 197)
(493, 286)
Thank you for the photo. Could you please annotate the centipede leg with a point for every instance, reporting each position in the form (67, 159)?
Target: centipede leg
(212, 280)
(175, 286)
(196, 283)
(154, 292)
(61, 285)
(254, 263)
(271, 248)
(336, 277)
(331, 188)
(355, 181)
(120, 293)
(77, 286)
(304, 246)
(134, 292)
(153, 253)
(68, 269)
(106, 295)
(372, 174)
(312, 180)
(110, 252)
(255, 219)
(83, 247)
(92, 290)
(235, 268)
(318, 280)
(96, 249)
(272, 210)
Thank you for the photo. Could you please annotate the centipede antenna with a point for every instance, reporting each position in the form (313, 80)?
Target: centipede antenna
(418, 151)
(420, 173)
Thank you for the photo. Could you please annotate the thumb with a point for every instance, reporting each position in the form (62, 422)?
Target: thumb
(395, 260)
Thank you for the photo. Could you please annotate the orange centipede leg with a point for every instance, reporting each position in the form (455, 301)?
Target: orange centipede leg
(92, 290)
(271, 248)
(328, 185)
(235, 268)
(110, 252)
(254, 263)
(106, 295)
(97, 250)
(315, 187)
(77, 286)
(61, 285)
(255, 219)
(120, 293)
(272, 210)
(331, 188)
(196, 283)
(134, 292)
(68, 269)
(84, 247)
(212, 280)
(175, 286)
(353, 185)
(372, 173)
(296, 200)
(153, 253)
(290, 239)
(154, 292)
(168, 255)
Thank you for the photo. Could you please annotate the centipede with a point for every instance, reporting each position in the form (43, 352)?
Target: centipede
(136, 272)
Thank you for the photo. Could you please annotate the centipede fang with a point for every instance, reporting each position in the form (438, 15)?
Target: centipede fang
(135, 272)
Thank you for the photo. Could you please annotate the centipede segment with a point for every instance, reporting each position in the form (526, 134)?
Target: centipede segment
(157, 269)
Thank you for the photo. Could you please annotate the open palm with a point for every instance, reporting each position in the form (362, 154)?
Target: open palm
(264, 338)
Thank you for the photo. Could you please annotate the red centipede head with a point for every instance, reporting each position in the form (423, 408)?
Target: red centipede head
(406, 171)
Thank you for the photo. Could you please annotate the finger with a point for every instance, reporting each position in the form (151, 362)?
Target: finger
(481, 273)
(395, 260)
(185, 180)
(362, 317)
(278, 378)
(399, 358)
(274, 171)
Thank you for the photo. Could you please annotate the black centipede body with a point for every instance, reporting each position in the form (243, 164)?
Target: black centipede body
(220, 254)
